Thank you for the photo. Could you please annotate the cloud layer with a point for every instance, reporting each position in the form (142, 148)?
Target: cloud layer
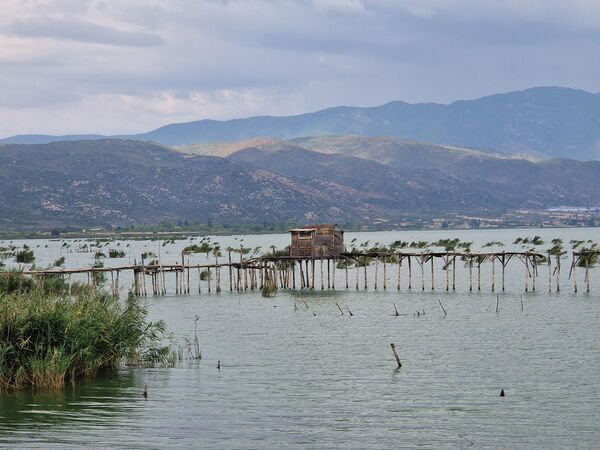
(116, 66)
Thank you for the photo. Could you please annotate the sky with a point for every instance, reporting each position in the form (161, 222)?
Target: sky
(122, 66)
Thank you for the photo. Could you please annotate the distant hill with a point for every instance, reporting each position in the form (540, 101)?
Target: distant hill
(549, 121)
(123, 182)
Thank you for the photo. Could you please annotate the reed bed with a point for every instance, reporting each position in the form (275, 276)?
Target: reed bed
(49, 337)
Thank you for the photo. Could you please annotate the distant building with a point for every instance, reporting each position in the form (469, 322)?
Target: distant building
(317, 241)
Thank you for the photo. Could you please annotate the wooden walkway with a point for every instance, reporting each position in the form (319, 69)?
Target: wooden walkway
(285, 272)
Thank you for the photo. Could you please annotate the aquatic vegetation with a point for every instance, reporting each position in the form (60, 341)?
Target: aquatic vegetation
(557, 248)
(589, 256)
(47, 340)
(25, 256)
(493, 244)
(536, 240)
(269, 289)
(204, 247)
(59, 262)
(113, 253)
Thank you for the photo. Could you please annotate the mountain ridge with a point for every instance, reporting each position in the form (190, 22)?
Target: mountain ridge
(550, 121)
(109, 183)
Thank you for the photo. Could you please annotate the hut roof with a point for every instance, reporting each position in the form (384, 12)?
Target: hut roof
(316, 227)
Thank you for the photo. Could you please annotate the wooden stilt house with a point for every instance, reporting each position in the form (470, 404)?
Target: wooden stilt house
(317, 241)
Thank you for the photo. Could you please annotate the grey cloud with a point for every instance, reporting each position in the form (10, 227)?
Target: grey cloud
(291, 55)
(81, 31)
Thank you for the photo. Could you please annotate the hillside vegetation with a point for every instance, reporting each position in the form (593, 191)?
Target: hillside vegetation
(103, 183)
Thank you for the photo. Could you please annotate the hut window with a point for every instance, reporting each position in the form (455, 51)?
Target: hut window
(305, 235)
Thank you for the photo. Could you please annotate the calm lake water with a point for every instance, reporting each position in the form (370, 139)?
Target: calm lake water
(314, 378)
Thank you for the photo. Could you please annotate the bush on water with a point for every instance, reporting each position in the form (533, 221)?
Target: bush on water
(49, 338)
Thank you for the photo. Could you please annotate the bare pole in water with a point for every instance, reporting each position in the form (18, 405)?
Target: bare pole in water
(493, 273)
(400, 257)
(409, 273)
(549, 272)
(432, 274)
(478, 273)
(453, 271)
(396, 355)
(384, 272)
(346, 259)
(376, 271)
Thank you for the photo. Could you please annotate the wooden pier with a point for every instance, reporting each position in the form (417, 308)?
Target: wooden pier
(355, 270)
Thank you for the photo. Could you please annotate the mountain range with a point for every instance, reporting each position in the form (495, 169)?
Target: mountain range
(544, 121)
(345, 179)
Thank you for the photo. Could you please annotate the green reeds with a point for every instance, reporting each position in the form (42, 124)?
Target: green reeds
(49, 338)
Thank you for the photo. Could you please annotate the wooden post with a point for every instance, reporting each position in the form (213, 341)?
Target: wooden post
(199, 280)
(188, 275)
(526, 259)
(453, 271)
(396, 355)
(322, 281)
(136, 284)
(208, 269)
(313, 274)
(328, 273)
(384, 272)
(446, 261)
(346, 259)
(366, 283)
(218, 273)
(183, 286)
(409, 273)
(479, 272)
(470, 273)
(558, 272)
(587, 274)
(421, 262)
(549, 272)
(432, 276)
(493, 273)
(333, 274)
(230, 270)
(533, 272)
(376, 270)
(574, 274)
(399, 270)
(503, 268)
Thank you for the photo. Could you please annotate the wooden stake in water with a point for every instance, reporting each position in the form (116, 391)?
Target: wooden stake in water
(396, 355)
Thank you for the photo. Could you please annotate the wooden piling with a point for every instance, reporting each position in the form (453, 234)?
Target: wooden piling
(432, 274)
(396, 355)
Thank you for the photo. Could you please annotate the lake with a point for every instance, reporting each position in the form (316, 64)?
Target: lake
(295, 372)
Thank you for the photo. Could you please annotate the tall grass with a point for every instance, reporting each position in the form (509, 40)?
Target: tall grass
(49, 338)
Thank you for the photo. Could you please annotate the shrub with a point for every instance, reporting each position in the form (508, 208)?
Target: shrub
(114, 253)
(59, 262)
(25, 256)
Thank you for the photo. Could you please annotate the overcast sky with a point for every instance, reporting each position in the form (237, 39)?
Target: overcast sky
(117, 66)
